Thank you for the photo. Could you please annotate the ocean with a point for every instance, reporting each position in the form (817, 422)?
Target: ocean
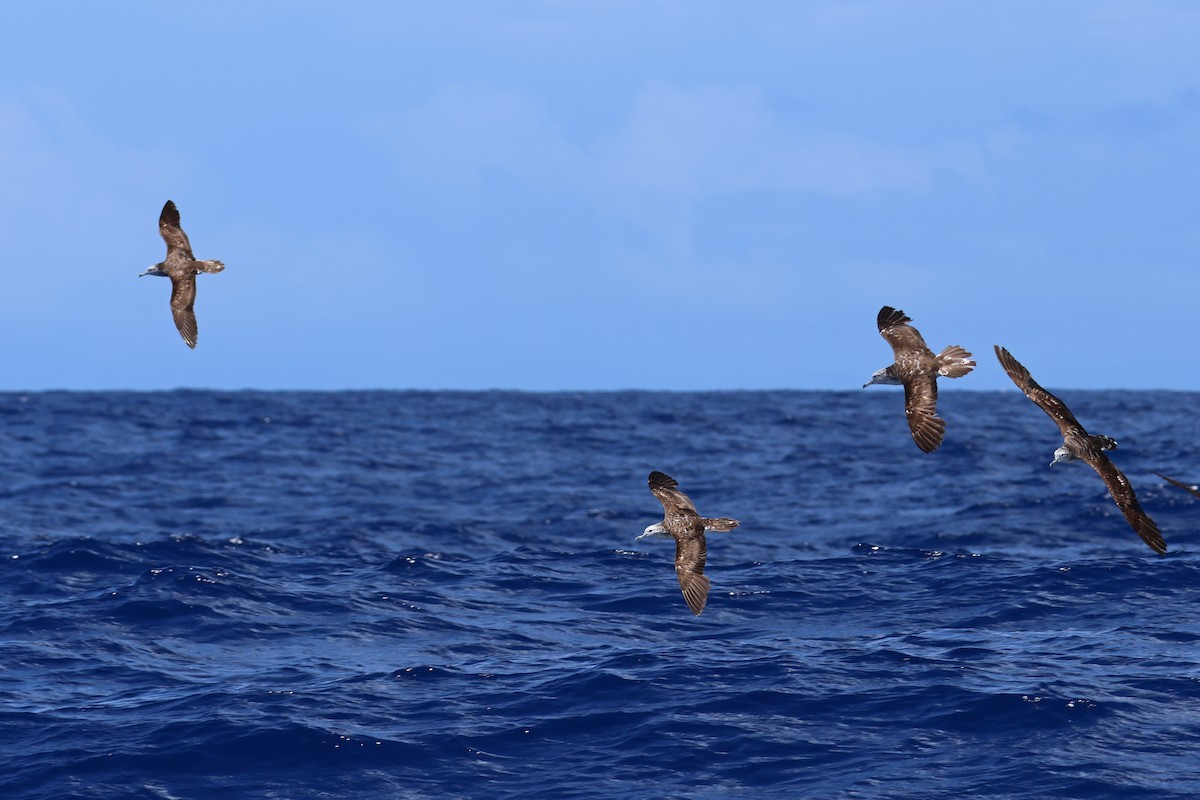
(414, 595)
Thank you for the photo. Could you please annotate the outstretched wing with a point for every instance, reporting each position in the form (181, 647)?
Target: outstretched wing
(664, 487)
(1055, 408)
(172, 233)
(920, 407)
(690, 554)
(1187, 487)
(183, 295)
(1122, 494)
(894, 328)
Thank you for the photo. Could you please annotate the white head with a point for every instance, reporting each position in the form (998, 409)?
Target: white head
(655, 531)
(153, 269)
(883, 376)
(1062, 454)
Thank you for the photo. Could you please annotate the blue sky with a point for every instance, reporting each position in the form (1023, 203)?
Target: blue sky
(599, 194)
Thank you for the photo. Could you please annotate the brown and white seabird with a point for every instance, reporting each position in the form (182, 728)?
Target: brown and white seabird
(182, 268)
(917, 369)
(686, 527)
(1187, 487)
(1079, 445)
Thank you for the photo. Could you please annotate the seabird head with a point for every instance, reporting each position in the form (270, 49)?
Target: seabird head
(655, 531)
(883, 376)
(1062, 454)
(154, 269)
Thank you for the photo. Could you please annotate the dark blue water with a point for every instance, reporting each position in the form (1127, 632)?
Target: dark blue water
(437, 595)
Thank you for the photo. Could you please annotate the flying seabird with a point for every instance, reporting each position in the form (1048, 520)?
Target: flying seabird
(1187, 487)
(686, 527)
(917, 369)
(181, 267)
(1079, 445)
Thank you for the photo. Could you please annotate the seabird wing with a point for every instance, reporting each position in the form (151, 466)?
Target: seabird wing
(920, 407)
(665, 488)
(172, 233)
(1055, 408)
(183, 296)
(1122, 494)
(1187, 487)
(690, 555)
(894, 328)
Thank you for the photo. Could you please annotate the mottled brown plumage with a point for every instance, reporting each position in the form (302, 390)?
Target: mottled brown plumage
(181, 267)
(686, 527)
(917, 369)
(1079, 445)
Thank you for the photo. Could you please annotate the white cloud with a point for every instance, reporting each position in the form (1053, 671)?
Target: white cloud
(463, 132)
(677, 143)
(717, 140)
(51, 159)
(66, 195)
(648, 170)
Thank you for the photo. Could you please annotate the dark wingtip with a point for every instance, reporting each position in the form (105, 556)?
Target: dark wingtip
(889, 316)
(1152, 536)
(170, 214)
(695, 592)
(1187, 487)
(661, 480)
(187, 330)
(1014, 368)
(931, 436)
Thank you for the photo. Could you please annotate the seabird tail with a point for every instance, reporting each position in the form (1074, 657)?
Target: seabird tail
(210, 266)
(954, 362)
(720, 524)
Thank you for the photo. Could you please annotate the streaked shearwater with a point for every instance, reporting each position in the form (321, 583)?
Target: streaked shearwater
(917, 369)
(686, 527)
(182, 268)
(1079, 445)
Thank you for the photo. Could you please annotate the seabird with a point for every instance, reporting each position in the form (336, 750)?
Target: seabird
(1187, 487)
(917, 369)
(182, 268)
(1079, 445)
(686, 527)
